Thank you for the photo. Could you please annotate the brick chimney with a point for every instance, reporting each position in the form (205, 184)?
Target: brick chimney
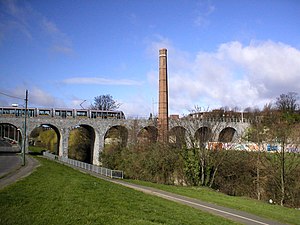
(163, 121)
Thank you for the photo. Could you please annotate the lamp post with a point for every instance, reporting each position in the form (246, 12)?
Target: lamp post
(25, 127)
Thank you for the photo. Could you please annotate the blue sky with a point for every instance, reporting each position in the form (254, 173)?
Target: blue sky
(220, 53)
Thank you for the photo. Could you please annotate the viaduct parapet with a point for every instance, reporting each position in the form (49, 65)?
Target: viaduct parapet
(130, 130)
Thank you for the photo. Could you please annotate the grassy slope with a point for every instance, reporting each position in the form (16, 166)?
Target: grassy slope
(57, 194)
(275, 212)
(35, 149)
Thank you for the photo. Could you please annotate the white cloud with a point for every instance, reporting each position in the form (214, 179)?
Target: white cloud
(153, 46)
(62, 49)
(79, 103)
(19, 16)
(15, 18)
(204, 10)
(50, 27)
(234, 75)
(133, 19)
(136, 108)
(61, 43)
(152, 77)
(100, 81)
(271, 66)
(39, 97)
(36, 97)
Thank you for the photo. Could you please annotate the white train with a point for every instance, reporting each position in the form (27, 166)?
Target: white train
(61, 113)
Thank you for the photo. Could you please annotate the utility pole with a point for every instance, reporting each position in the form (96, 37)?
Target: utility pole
(25, 127)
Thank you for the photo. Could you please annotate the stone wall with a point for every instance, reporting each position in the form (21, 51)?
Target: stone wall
(100, 127)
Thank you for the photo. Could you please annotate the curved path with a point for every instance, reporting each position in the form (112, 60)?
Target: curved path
(9, 162)
(231, 214)
(16, 171)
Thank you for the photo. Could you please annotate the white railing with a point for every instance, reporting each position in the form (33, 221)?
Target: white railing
(86, 166)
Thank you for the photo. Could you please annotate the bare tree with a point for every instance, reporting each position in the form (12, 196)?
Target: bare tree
(287, 102)
(105, 102)
(256, 133)
(281, 122)
(201, 140)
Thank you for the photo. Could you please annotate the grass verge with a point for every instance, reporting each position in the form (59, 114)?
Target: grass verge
(259, 208)
(35, 149)
(57, 194)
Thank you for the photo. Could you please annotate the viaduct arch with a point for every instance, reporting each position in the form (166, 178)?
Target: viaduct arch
(130, 131)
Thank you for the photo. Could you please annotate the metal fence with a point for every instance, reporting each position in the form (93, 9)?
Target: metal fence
(86, 166)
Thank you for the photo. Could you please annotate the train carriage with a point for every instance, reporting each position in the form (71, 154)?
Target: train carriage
(106, 114)
(82, 113)
(64, 113)
(45, 112)
(15, 111)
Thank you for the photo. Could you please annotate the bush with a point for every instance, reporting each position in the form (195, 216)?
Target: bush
(153, 162)
(239, 173)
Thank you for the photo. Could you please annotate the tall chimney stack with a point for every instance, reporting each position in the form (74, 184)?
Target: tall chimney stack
(163, 121)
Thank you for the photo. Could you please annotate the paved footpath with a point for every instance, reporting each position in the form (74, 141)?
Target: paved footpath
(9, 162)
(16, 171)
(231, 214)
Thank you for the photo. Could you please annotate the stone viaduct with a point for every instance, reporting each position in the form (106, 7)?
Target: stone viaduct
(128, 130)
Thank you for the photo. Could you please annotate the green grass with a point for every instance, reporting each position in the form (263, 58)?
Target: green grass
(57, 194)
(275, 212)
(35, 149)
